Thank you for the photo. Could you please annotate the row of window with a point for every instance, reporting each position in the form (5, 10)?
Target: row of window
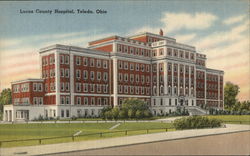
(133, 50)
(38, 87)
(176, 102)
(64, 59)
(180, 54)
(169, 90)
(38, 100)
(132, 77)
(212, 86)
(200, 62)
(85, 87)
(99, 75)
(91, 62)
(93, 101)
(22, 101)
(133, 66)
(24, 88)
(181, 80)
(133, 90)
(46, 60)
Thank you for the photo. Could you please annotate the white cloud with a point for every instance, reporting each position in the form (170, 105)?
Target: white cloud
(185, 38)
(197, 21)
(177, 21)
(233, 20)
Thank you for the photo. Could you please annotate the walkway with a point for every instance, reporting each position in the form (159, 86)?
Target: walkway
(128, 140)
(222, 144)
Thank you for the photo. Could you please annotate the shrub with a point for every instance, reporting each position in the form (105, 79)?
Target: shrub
(131, 113)
(139, 114)
(73, 117)
(123, 114)
(108, 115)
(196, 122)
(115, 113)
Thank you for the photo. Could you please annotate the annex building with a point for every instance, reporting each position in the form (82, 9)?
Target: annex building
(79, 81)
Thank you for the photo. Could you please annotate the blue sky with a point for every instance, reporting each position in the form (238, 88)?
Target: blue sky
(219, 29)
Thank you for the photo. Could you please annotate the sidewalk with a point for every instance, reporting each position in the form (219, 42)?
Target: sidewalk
(128, 140)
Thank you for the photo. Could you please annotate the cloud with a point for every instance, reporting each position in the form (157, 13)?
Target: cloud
(171, 22)
(197, 21)
(233, 20)
(185, 38)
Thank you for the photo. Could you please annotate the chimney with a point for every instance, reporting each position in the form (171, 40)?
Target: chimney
(161, 32)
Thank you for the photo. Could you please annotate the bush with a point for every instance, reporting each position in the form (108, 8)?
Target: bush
(73, 117)
(196, 122)
(131, 113)
(108, 115)
(139, 114)
(123, 114)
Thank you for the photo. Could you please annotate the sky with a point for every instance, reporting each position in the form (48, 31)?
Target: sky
(219, 29)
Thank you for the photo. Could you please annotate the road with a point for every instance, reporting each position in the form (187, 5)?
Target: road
(223, 144)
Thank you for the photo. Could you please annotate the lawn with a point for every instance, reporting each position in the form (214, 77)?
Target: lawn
(235, 119)
(35, 131)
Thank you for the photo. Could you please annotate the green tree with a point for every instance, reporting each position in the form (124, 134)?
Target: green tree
(230, 92)
(134, 104)
(139, 114)
(131, 113)
(115, 113)
(123, 114)
(5, 98)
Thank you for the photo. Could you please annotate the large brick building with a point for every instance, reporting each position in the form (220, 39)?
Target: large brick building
(79, 81)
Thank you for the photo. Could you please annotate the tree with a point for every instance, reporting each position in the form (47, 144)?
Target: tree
(134, 104)
(139, 114)
(123, 114)
(230, 92)
(5, 98)
(115, 113)
(131, 113)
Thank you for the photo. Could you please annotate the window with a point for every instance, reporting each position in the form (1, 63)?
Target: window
(66, 59)
(92, 75)
(46, 87)
(175, 52)
(142, 79)
(137, 79)
(99, 76)
(161, 51)
(136, 90)
(105, 64)
(131, 78)
(62, 113)
(61, 59)
(78, 87)
(78, 100)
(120, 77)
(85, 74)
(125, 89)
(169, 50)
(52, 59)
(126, 65)
(67, 113)
(120, 88)
(131, 89)
(62, 86)
(85, 87)
(85, 61)
(85, 101)
(66, 86)
(131, 50)
(142, 68)
(137, 67)
(92, 62)
(92, 101)
(98, 63)
(78, 73)
(62, 72)
(176, 102)
(92, 87)
(105, 76)
(67, 73)
(131, 66)
(62, 100)
(161, 90)
(67, 100)
(169, 102)
(126, 77)
(78, 60)
(147, 68)
(99, 88)
(186, 55)
(161, 67)
(105, 88)
(34, 86)
(147, 79)
(120, 64)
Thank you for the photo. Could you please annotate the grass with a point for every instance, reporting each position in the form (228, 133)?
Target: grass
(37, 131)
(234, 119)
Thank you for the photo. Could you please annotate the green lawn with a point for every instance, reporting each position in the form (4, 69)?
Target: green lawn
(245, 119)
(34, 131)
